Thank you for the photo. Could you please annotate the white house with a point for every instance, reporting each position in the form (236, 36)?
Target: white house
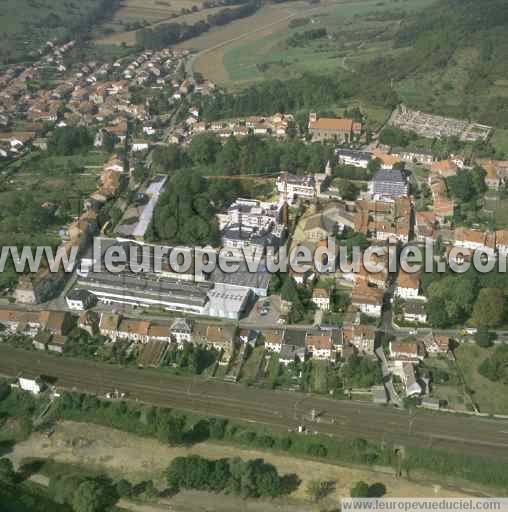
(368, 300)
(140, 145)
(79, 300)
(181, 331)
(273, 339)
(414, 312)
(321, 298)
(34, 386)
(408, 285)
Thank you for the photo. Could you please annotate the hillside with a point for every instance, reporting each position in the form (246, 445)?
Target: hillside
(27, 24)
(451, 58)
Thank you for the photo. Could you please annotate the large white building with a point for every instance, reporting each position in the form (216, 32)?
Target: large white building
(354, 158)
(297, 186)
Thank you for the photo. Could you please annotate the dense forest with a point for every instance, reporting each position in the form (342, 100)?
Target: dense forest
(309, 92)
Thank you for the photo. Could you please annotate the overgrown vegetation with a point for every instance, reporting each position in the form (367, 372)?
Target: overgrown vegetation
(175, 428)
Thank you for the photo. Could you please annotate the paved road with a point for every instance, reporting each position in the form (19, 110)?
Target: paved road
(277, 410)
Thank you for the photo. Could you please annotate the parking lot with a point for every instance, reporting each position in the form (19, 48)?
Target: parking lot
(266, 311)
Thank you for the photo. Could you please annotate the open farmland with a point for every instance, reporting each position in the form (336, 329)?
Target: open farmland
(256, 48)
(137, 14)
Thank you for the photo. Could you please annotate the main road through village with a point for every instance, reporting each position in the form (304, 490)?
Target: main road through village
(277, 410)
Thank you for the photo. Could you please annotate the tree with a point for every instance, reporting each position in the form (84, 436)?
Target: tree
(484, 337)
(123, 488)
(495, 367)
(90, 496)
(360, 490)
(489, 308)
(228, 157)
(204, 149)
(374, 165)
(348, 190)
(7, 473)
(171, 429)
(289, 291)
(62, 488)
(5, 390)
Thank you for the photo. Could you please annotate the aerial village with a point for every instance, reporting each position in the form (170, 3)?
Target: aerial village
(366, 334)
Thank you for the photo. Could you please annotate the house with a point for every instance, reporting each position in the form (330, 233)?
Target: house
(108, 325)
(320, 345)
(79, 299)
(89, 322)
(408, 285)
(409, 380)
(10, 319)
(318, 227)
(444, 168)
(249, 337)
(474, 239)
(443, 206)
(296, 186)
(273, 339)
(388, 184)
(159, 332)
(57, 323)
(181, 330)
(32, 385)
(420, 156)
(425, 226)
(354, 158)
(134, 330)
(341, 130)
(414, 312)
(139, 145)
(293, 348)
(405, 351)
(388, 162)
(221, 338)
(497, 172)
(368, 300)
(436, 344)
(321, 298)
(374, 278)
(362, 337)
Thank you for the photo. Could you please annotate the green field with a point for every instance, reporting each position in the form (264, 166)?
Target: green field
(500, 141)
(490, 397)
(319, 377)
(251, 367)
(269, 56)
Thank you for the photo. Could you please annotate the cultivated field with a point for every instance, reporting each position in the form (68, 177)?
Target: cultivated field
(125, 455)
(123, 29)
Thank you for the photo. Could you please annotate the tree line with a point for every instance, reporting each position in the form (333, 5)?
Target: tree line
(248, 155)
(248, 479)
(309, 92)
